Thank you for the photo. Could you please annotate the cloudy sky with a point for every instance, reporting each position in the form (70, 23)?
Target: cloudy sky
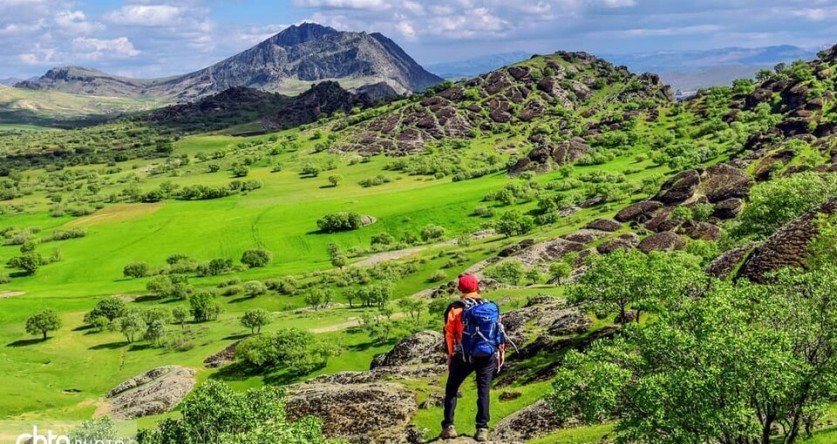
(152, 38)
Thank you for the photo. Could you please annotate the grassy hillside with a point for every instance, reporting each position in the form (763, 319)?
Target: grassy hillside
(127, 191)
(54, 108)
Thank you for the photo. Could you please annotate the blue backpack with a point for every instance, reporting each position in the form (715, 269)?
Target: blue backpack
(482, 332)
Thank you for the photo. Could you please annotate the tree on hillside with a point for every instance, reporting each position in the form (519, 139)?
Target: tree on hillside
(335, 179)
(109, 308)
(560, 271)
(730, 367)
(254, 288)
(256, 319)
(514, 223)
(214, 412)
(343, 221)
(256, 257)
(180, 314)
(130, 325)
(160, 286)
(632, 278)
(204, 307)
(339, 261)
(42, 323)
(431, 233)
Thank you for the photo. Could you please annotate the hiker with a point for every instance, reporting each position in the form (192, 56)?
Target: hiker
(475, 341)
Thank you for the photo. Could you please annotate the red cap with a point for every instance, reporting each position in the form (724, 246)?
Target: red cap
(468, 283)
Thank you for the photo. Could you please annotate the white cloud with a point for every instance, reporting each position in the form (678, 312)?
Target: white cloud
(146, 15)
(345, 4)
(617, 3)
(96, 49)
(677, 30)
(815, 14)
(75, 22)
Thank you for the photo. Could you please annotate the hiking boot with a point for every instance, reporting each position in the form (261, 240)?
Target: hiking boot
(481, 436)
(448, 432)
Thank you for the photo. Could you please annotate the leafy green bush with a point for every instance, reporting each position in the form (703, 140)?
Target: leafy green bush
(294, 350)
(256, 257)
(343, 221)
(508, 272)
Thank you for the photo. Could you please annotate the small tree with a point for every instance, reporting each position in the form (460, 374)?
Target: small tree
(42, 323)
(413, 307)
(180, 314)
(514, 223)
(204, 307)
(339, 261)
(109, 308)
(560, 271)
(28, 263)
(257, 257)
(314, 298)
(256, 319)
(136, 270)
(335, 180)
(130, 325)
(155, 331)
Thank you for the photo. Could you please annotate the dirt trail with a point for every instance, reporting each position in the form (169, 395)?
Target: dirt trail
(352, 322)
(10, 294)
(399, 254)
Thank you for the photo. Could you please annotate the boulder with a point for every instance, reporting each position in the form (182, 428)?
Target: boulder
(640, 211)
(516, 248)
(569, 150)
(722, 181)
(545, 252)
(585, 235)
(728, 261)
(664, 241)
(663, 221)
(679, 188)
(727, 208)
(787, 247)
(701, 230)
(151, 393)
(529, 423)
(372, 413)
(603, 224)
(367, 220)
(424, 347)
(625, 242)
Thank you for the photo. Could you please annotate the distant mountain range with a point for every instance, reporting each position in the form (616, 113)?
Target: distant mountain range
(684, 70)
(288, 62)
(473, 67)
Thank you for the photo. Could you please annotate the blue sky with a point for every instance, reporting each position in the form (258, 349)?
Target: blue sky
(153, 38)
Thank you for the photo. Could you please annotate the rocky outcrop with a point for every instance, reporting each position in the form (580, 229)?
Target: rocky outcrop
(722, 181)
(529, 423)
(151, 393)
(622, 242)
(727, 208)
(603, 224)
(701, 230)
(639, 212)
(551, 314)
(722, 266)
(787, 247)
(370, 413)
(222, 357)
(664, 241)
(543, 253)
(425, 347)
(585, 235)
(679, 188)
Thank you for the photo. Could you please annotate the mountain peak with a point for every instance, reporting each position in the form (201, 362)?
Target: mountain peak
(304, 32)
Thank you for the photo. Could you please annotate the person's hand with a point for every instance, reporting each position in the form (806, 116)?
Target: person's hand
(501, 359)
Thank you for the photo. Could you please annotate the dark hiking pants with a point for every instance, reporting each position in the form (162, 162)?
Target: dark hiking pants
(484, 368)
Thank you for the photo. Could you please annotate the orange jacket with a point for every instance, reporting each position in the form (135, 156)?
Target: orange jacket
(453, 326)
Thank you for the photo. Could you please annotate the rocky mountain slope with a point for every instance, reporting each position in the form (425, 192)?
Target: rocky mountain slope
(286, 62)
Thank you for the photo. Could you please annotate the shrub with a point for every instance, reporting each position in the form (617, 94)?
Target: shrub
(509, 272)
(108, 308)
(254, 288)
(438, 276)
(343, 221)
(257, 257)
(160, 286)
(431, 233)
(382, 239)
(514, 223)
(296, 350)
(136, 270)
